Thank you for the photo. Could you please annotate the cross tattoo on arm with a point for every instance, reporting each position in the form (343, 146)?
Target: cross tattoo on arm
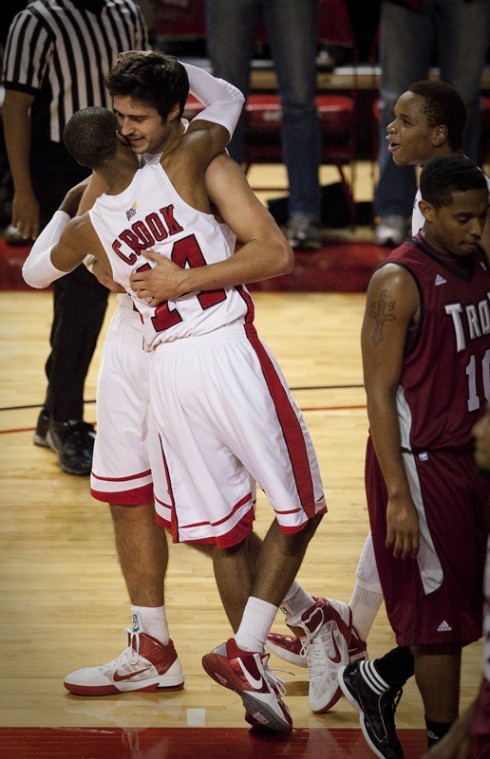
(381, 311)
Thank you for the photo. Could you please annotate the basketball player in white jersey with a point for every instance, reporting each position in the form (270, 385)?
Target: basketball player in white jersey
(161, 227)
(332, 629)
(324, 627)
(123, 479)
(233, 399)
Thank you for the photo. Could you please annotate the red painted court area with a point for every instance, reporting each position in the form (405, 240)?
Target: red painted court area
(194, 743)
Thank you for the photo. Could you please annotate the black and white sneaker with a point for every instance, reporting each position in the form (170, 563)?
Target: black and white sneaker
(73, 441)
(41, 431)
(366, 691)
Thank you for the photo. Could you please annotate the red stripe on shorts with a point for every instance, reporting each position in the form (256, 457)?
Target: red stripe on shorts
(290, 425)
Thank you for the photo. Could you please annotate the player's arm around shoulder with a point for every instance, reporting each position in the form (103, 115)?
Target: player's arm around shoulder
(54, 253)
(206, 137)
(265, 252)
(73, 244)
(210, 132)
(77, 241)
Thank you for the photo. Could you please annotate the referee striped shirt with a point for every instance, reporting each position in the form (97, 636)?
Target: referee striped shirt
(60, 52)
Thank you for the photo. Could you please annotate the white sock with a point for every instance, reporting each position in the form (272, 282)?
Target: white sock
(365, 605)
(151, 620)
(255, 626)
(296, 600)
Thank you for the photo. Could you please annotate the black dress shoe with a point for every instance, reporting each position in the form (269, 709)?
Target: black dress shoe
(74, 444)
(41, 430)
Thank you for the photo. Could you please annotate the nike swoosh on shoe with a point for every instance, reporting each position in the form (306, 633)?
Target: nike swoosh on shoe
(257, 683)
(338, 656)
(119, 678)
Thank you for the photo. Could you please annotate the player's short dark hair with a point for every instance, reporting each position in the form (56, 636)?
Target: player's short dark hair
(445, 175)
(158, 80)
(443, 105)
(90, 136)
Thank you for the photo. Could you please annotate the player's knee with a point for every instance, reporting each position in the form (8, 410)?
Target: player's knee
(300, 539)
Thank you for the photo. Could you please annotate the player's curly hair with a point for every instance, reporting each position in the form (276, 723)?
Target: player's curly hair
(90, 136)
(445, 175)
(443, 105)
(158, 80)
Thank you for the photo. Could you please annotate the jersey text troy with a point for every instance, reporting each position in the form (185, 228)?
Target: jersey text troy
(476, 318)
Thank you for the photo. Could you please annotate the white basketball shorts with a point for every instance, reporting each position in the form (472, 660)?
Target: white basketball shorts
(226, 419)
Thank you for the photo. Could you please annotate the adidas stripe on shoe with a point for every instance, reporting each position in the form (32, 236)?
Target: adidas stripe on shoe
(376, 703)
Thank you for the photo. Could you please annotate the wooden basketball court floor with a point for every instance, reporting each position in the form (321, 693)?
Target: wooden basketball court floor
(63, 599)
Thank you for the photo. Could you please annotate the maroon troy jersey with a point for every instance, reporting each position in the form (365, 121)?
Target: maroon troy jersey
(445, 379)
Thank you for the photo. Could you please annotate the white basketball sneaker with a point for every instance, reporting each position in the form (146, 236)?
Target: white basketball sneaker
(144, 666)
(325, 630)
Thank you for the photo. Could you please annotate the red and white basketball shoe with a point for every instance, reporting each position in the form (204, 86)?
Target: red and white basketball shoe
(248, 674)
(287, 647)
(290, 648)
(144, 666)
(320, 644)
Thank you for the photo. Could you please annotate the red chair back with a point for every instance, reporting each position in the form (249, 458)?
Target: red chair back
(181, 18)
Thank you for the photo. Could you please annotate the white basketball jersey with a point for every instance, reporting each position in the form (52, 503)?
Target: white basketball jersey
(417, 215)
(150, 214)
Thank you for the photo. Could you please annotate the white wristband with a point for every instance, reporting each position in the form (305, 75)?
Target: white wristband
(38, 271)
(52, 231)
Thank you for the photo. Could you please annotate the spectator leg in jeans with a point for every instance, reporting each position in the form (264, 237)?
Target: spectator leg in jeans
(231, 33)
(405, 53)
(463, 36)
(291, 27)
(291, 30)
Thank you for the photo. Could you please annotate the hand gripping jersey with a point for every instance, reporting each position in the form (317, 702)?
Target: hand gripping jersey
(446, 372)
(150, 214)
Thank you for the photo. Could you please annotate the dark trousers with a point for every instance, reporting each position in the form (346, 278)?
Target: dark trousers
(79, 300)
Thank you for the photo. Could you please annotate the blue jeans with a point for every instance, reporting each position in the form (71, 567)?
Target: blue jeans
(291, 28)
(459, 30)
